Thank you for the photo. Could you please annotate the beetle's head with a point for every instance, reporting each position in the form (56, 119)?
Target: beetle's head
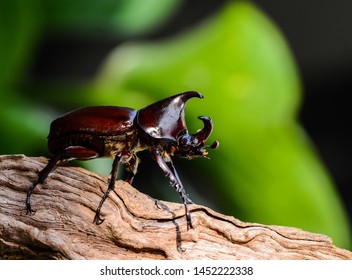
(194, 145)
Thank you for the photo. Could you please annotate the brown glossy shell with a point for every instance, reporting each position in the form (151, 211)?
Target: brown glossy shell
(99, 120)
(165, 119)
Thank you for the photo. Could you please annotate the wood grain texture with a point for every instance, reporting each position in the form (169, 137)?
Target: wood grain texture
(136, 226)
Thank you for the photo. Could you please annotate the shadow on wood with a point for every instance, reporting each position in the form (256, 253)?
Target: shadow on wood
(136, 226)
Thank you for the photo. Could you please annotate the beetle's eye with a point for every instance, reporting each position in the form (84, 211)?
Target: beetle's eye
(185, 140)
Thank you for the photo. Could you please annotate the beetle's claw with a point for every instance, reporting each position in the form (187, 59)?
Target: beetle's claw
(30, 211)
(189, 223)
(97, 220)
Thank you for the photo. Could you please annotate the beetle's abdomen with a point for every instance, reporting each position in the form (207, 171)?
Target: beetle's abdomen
(103, 129)
(103, 146)
(101, 120)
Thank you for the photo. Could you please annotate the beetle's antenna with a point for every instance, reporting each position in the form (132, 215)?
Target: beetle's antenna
(215, 145)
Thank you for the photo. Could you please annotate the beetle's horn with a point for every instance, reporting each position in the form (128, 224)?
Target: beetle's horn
(203, 135)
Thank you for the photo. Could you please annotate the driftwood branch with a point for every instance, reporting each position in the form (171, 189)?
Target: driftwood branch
(135, 227)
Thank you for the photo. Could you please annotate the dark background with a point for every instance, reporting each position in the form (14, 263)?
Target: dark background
(319, 34)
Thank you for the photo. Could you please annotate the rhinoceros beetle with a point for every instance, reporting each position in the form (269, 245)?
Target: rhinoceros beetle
(121, 132)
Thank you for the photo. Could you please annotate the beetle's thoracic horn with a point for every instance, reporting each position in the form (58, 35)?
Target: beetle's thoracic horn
(206, 131)
(165, 119)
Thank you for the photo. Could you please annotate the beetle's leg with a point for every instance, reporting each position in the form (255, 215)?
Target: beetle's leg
(169, 162)
(70, 153)
(41, 177)
(173, 169)
(111, 186)
(175, 182)
(132, 166)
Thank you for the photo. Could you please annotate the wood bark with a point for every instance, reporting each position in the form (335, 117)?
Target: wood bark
(136, 226)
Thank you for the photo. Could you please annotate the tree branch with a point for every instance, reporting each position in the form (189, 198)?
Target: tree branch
(135, 227)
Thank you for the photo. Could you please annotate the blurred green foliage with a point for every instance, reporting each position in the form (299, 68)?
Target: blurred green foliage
(124, 17)
(266, 169)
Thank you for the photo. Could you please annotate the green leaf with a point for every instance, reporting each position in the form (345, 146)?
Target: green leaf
(125, 17)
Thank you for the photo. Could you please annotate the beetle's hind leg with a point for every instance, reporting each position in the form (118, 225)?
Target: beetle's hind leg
(41, 177)
(69, 153)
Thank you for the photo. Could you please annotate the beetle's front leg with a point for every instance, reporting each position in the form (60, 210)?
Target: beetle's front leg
(172, 168)
(175, 182)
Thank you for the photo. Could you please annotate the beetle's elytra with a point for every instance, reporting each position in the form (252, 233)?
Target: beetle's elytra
(121, 132)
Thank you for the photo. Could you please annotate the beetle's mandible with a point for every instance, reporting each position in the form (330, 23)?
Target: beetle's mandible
(121, 132)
